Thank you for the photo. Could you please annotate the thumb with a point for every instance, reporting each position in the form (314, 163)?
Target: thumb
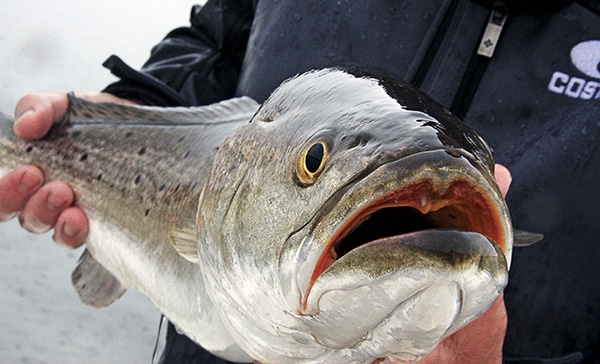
(503, 178)
(35, 114)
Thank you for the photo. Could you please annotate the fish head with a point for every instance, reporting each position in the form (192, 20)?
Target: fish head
(352, 219)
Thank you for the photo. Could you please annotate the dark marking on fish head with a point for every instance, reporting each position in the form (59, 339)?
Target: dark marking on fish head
(451, 131)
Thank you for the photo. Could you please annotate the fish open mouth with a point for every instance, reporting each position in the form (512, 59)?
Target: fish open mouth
(426, 204)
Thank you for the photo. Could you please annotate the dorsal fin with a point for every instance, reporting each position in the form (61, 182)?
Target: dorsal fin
(184, 238)
(95, 285)
(232, 110)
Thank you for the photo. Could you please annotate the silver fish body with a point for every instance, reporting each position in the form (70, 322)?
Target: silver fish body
(352, 219)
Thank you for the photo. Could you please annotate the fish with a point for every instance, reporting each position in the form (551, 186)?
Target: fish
(349, 218)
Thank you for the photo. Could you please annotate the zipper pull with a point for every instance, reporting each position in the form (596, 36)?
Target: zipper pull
(491, 35)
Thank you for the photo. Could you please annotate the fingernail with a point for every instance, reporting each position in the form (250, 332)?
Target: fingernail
(23, 114)
(29, 181)
(33, 225)
(67, 232)
(70, 231)
(55, 203)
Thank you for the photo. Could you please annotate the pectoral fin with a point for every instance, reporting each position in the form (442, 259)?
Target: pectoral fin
(95, 285)
(526, 238)
(185, 241)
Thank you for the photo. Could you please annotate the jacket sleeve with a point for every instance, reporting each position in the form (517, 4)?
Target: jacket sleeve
(195, 65)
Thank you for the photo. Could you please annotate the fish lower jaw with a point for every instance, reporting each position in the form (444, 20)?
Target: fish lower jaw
(396, 319)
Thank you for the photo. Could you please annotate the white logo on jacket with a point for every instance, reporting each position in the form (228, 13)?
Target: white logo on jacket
(585, 56)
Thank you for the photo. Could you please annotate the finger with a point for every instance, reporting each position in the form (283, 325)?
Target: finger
(35, 114)
(16, 188)
(72, 227)
(503, 178)
(44, 207)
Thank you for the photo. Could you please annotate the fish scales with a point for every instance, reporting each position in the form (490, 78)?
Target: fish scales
(349, 218)
(117, 159)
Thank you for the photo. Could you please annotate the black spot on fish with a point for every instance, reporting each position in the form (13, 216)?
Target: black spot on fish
(187, 154)
(147, 212)
(99, 178)
(83, 157)
(76, 133)
(138, 178)
(128, 134)
(161, 188)
(29, 149)
(142, 151)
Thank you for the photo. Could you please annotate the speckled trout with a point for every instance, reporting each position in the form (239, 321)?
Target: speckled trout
(347, 219)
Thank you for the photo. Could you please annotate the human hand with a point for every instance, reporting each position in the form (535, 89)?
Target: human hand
(42, 206)
(480, 342)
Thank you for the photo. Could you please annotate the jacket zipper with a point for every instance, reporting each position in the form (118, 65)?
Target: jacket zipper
(478, 63)
(421, 73)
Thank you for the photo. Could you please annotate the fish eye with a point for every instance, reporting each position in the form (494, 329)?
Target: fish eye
(311, 163)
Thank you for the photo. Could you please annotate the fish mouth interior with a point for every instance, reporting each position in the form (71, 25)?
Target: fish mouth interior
(462, 205)
(390, 221)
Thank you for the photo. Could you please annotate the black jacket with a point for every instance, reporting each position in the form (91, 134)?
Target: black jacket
(536, 101)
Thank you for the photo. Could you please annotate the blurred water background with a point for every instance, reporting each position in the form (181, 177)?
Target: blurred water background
(60, 45)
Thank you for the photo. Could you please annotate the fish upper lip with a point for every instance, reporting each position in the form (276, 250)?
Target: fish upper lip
(426, 197)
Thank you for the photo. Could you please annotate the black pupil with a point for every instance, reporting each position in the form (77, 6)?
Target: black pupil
(314, 157)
